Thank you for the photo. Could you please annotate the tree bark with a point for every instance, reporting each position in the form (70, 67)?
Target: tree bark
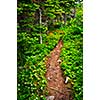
(40, 25)
(65, 18)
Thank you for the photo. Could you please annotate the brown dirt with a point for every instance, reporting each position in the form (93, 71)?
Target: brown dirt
(54, 75)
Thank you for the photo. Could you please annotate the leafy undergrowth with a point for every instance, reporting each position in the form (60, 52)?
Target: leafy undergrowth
(31, 59)
(31, 77)
(72, 56)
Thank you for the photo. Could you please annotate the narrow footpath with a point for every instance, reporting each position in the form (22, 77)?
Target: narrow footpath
(55, 80)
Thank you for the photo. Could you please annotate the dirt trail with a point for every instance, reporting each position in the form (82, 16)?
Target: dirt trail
(54, 75)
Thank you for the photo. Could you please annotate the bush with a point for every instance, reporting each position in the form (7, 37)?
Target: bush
(72, 55)
(31, 65)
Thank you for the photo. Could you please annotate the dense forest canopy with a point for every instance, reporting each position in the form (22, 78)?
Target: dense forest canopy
(40, 25)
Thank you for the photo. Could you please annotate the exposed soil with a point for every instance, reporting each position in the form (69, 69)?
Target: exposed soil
(55, 81)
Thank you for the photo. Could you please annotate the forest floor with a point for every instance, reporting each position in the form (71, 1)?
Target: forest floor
(56, 87)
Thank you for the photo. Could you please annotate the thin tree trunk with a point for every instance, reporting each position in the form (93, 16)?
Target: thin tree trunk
(61, 19)
(74, 12)
(65, 19)
(40, 26)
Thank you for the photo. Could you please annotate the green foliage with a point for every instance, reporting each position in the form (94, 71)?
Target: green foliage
(31, 65)
(31, 55)
(72, 54)
(31, 80)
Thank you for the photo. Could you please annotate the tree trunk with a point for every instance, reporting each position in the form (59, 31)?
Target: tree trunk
(65, 19)
(74, 12)
(40, 25)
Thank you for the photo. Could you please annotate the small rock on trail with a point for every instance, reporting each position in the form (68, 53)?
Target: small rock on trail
(55, 81)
